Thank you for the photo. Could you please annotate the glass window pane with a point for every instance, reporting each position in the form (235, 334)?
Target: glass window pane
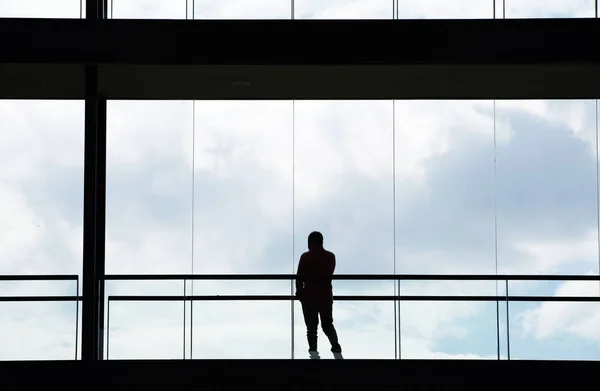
(343, 9)
(145, 329)
(148, 9)
(41, 204)
(445, 9)
(243, 187)
(242, 9)
(445, 175)
(242, 329)
(41, 187)
(149, 187)
(550, 9)
(243, 222)
(343, 182)
(546, 187)
(67, 9)
(37, 330)
(445, 224)
(449, 330)
(548, 221)
(555, 330)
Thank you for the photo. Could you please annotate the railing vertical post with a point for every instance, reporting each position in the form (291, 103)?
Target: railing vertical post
(184, 313)
(192, 323)
(497, 321)
(107, 328)
(507, 323)
(399, 304)
(77, 318)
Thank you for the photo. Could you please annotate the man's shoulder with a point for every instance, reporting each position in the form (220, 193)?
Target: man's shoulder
(330, 253)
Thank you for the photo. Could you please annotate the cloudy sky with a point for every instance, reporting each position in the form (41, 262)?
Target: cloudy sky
(235, 187)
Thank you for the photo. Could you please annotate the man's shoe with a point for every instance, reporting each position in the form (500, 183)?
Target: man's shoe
(314, 355)
(338, 355)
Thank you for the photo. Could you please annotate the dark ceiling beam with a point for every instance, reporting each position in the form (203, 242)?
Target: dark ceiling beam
(520, 41)
(149, 59)
(186, 82)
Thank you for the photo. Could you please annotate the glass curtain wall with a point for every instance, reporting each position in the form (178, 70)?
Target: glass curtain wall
(421, 187)
(405, 187)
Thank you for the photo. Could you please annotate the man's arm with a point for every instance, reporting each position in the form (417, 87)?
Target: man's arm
(299, 280)
(332, 268)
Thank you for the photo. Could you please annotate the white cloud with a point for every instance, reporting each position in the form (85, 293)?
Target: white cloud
(547, 256)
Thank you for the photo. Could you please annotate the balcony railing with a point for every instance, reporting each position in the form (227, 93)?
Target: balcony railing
(396, 279)
(46, 298)
(398, 298)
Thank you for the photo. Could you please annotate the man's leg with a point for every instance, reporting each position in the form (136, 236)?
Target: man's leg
(326, 312)
(311, 319)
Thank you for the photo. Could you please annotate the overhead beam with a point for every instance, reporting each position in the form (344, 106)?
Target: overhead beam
(381, 42)
(186, 82)
(149, 59)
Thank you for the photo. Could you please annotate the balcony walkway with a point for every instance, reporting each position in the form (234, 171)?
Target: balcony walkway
(297, 374)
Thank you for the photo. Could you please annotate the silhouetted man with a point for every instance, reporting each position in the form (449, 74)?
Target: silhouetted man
(316, 295)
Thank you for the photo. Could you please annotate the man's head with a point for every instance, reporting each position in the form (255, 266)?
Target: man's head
(315, 240)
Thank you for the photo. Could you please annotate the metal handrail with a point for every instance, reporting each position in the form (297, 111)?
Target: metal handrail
(352, 277)
(356, 277)
(40, 298)
(588, 299)
(39, 277)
